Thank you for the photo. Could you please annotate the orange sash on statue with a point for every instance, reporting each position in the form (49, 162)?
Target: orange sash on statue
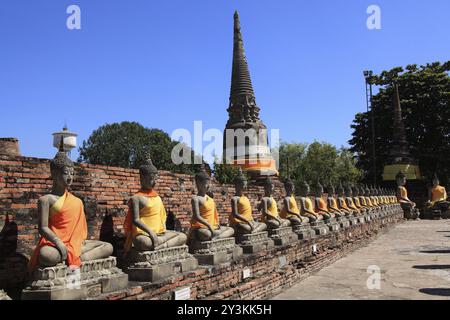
(128, 223)
(69, 225)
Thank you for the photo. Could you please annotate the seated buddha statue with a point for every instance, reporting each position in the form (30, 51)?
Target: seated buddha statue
(62, 223)
(350, 201)
(362, 198)
(356, 199)
(269, 208)
(241, 218)
(408, 206)
(290, 209)
(332, 202)
(145, 222)
(374, 197)
(306, 205)
(437, 196)
(342, 201)
(205, 218)
(367, 196)
(321, 206)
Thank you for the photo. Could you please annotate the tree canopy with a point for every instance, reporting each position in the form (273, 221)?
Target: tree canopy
(126, 144)
(318, 160)
(425, 101)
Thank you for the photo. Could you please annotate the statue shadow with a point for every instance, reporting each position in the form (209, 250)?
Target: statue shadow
(443, 292)
(172, 223)
(12, 263)
(447, 231)
(439, 251)
(432, 267)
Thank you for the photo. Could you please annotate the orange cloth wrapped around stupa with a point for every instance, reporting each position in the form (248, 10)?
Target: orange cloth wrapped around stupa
(68, 221)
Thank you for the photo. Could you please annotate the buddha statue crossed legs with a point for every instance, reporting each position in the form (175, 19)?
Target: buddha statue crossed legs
(408, 206)
(62, 223)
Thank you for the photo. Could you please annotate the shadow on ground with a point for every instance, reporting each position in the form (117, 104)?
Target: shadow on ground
(444, 251)
(432, 266)
(445, 292)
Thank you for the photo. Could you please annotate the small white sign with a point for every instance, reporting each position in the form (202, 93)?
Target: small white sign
(246, 273)
(182, 293)
(349, 234)
(282, 261)
(314, 248)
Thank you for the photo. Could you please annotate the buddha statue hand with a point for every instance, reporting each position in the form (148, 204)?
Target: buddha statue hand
(61, 248)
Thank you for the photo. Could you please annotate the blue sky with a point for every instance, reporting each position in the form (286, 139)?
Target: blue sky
(168, 63)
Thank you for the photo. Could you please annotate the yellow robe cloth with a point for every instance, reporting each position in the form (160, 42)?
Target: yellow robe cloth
(273, 210)
(343, 204)
(403, 194)
(293, 206)
(308, 206)
(208, 211)
(369, 202)
(438, 193)
(244, 209)
(333, 204)
(153, 215)
(322, 205)
(68, 222)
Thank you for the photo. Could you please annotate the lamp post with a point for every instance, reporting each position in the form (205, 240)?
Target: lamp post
(368, 77)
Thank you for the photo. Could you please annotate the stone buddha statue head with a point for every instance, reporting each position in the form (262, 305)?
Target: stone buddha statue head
(62, 169)
(435, 180)
(355, 191)
(341, 191)
(401, 179)
(367, 191)
(331, 190)
(349, 191)
(289, 187)
(268, 186)
(148, 174)
(202, 181)
(318, 189)
(304, 189)
(240, 182)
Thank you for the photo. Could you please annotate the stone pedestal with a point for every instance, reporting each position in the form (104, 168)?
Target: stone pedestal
(282, 236)
(320, 228)
(90, 280)
(304, 232)
(215, 251)
(354, 221)
(254, 242)
(361, 219)
(343, 222)
(154, 266)
(333, 225)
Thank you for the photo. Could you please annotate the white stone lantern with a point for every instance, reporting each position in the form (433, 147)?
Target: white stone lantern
(69, 139)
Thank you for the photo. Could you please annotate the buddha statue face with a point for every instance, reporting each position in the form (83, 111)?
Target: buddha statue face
(203, 183)
(240, 183)
(268, 186)
(341, 191)
(349, 192)
(319, 189)
(355, 191)
(435, 181)
(289, 187)
(62, 170)
(148, 174)
(331, 190)
(401, 179)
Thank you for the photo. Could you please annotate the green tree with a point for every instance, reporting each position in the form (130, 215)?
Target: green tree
(425, 100)
(224, 173)
(318, 160)
(125, 145)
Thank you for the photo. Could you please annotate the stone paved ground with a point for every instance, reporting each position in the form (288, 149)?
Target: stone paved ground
(414, 260)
